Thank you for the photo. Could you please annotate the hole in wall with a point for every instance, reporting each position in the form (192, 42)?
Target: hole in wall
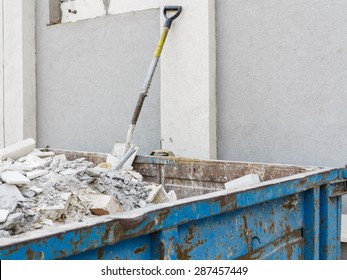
(55, 11)
(61, 11)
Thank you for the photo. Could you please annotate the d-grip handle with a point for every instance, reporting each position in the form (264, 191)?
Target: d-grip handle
(169, 20)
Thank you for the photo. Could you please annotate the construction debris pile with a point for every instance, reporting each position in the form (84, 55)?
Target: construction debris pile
(41, 189)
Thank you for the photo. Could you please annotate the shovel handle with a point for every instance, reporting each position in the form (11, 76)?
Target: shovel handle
(169, 20)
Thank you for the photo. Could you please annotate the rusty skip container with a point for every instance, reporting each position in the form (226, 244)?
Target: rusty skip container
(293, 214)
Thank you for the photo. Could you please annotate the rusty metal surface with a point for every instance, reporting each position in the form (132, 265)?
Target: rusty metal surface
(208, 174)
(276, 219)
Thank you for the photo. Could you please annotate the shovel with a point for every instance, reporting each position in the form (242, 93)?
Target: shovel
(126, 152)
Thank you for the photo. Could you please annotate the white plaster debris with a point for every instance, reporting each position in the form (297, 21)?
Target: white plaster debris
(35, 162)
(18, 150)
(58, 191)
(54, 212)
(172, 195)
(3, 215)
(41, 154)
(104, 205)
(13, 221)
(11, 193)
(14, 178)
(36, 173)
(157, 195)
(244, 181)
(36, 189)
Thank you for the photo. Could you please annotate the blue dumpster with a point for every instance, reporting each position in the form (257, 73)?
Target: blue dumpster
(294, 213)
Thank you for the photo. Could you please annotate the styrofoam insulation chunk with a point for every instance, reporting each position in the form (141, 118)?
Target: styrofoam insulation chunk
(11, 191)
(14, 178)
(18, 150)
(244, 181)
(36, 173)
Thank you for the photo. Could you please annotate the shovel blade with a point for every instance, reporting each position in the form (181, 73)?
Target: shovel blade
(118, 151)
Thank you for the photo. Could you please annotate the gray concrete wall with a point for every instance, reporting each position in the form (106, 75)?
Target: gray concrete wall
(282, 81)
(88, 77)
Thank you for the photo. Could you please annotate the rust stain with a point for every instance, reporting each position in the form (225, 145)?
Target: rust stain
(288, 241)
(246, 232)
(291, 203)
(255, 255)
(227, 200)
(141, 249)
(161, 250)
(184, 254)
(163, 215)
(272, 227)
(30, 254)
(170, 249)
(101, 253)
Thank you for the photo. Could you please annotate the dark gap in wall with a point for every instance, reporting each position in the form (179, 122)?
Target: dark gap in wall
(55, 11)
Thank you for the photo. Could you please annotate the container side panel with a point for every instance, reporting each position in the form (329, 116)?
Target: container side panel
(262, 228)
(132, 249)
(311, 230)
(330, 224)
(164, 244)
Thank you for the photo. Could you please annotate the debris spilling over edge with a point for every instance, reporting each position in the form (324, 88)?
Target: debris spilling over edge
(42, 190)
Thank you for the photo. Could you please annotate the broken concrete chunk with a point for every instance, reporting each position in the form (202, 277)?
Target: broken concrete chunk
(37, 225)
(44, 203)
(29, 194)
(142, 203)
(66, 196)
(48, 222)
(57, 160)
(3, 215)
(243, 181)
(18, 150)
(12, 221)
(14, 178)
(36, 174)
(54, 212)
(34, 162)
(10, 192)
(36, 189)
(4, 233)
(68, 172)
(104, 205)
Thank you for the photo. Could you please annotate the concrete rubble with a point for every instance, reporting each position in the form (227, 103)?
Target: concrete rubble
(42, 190)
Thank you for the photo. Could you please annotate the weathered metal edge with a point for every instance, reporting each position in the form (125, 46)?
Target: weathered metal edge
(222, 197)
